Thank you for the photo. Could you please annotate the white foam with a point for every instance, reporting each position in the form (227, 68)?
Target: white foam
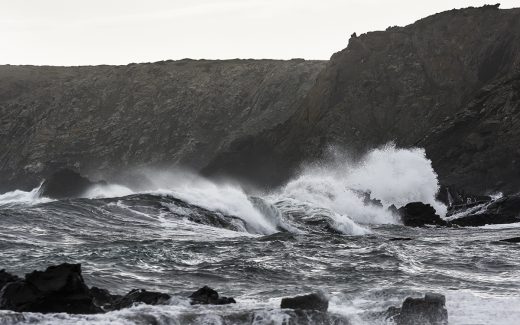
(23, 197)
(392, 175)
(108, 190)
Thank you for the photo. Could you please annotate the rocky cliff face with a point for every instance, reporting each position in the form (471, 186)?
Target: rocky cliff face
(103, 119)
(401, 85)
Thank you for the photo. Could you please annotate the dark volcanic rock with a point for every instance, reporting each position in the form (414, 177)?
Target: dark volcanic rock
(65, 183)
(313, 301)
(429, 310)
(418, 214)
(5, 278)
(208, 296)
(137, 296)
(501, 211)
(449, 83)
(57, 289)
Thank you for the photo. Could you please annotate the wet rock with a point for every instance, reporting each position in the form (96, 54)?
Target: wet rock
(103, 298)
(511, 240)
(65, 183)
(418, 214)
(313, 301)
(137, 296)
(208, 296)
(57, 289)
(5, 278)
(430, 310)
(501, 211)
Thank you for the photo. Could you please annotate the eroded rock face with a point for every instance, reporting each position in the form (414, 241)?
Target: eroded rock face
(104, 119)
(448, 82)
(418, 214)
(313, 301)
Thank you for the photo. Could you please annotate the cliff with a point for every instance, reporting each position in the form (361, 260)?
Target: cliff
(102, 119)
(402, 85)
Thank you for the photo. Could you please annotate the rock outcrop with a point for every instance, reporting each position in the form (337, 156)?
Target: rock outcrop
(57, 289)
(418, 214)
(208, 296)
(448, 82)
(313, 301)
(501, 211)
(430, 310)
(102, 120)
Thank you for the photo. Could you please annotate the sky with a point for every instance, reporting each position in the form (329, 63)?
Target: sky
(90, 32)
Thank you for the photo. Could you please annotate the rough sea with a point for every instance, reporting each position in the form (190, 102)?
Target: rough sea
(180, 232)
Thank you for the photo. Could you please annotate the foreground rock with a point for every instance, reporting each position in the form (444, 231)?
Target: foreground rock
(57, 289)
(61, 289)
(430, 310)
(418, 214)
(5, 278)
(64, 184)
(502, 211)
(138, 296)
(208, 296)
(313, 301)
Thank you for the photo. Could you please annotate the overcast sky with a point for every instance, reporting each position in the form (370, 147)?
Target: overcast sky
(85, 32)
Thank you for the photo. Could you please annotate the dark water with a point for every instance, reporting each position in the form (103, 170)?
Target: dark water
(156, 242)
(316, 233)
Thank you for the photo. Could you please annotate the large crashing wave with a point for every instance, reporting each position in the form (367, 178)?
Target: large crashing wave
(332, 192)
(389, 174)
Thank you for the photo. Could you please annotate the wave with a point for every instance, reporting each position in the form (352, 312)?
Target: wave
(340, 194)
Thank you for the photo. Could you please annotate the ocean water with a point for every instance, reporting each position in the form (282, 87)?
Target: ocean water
(180, 232)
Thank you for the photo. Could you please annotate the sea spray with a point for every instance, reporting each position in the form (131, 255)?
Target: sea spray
(389, 174)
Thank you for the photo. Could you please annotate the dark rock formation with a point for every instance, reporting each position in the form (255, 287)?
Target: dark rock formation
(5, 278)
(57, 289)
(103, 119)
(65, 183)
(138, 296)
(429, 310)
(313, 301)
(448, 82)
(103, 298)
(418, 214)
(208, 296)
(500, 211)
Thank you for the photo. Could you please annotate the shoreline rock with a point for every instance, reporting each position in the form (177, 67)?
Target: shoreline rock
(418, 214)
(429, 310)
(313, 301)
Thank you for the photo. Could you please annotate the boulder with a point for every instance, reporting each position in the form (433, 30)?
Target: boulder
(313, 301)
(208, 296)
(139, 296)
(430, 310)
(57, 289)
(5, 278)
(64, 184)
(418, 214)
(501, 211)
